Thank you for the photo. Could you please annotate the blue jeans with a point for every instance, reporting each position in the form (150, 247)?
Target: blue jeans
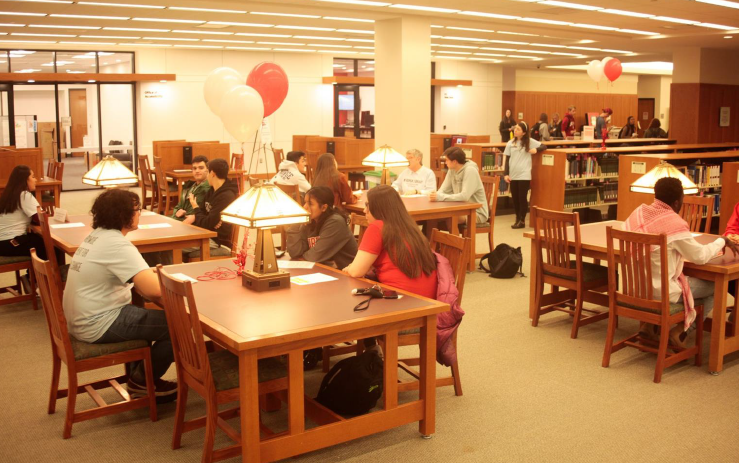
(151, 325)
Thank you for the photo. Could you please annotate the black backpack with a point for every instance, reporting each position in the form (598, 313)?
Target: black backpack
(353, 385)
(503, 262)
(535, 134)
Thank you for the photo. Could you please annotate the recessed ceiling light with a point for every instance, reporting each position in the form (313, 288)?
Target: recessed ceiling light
(633, 14)
(470, 29)
(443, 45)
(305, 28)
(27, 41)
(488, 15)
(632, 31)
(53, 26)
(716, 26)
(330, 45)
(145, 44)
(11, 25)
(423, 8)
(249, 48)
(42, 35)
(122, 5)
(565, 54)
(594, 26)
(454, 52)
(46, 1)
(301, 50)
(162, 20)
(228, 23)
(547, 45)
(251, 34)
(545, 21)
(336, 18)
(228, 41)
(85, 16)
(134, 29)
(674, 20)
(357, 2)
(575, 6)
(615, 51)
(361, 40)
(172, 38)
(289, 15)
(90, 43)
(465, 39)
(309, 37)
(365, 48)
(288, 44)
(522, 57)
(356, 31)
(212, 10)
(123, 37)
(583, 48)
(508, 42)
(18, 13)
(203, 32)
(519, 33)
(728, 37)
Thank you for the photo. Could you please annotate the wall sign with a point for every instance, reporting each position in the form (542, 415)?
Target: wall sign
(66, 121)
(153, 94)
(724, 117)
(547, 159)
(638, 167)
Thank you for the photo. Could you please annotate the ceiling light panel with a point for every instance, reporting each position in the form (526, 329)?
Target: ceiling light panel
(284, 44)
(720, 3)
(228, 41)
(310, 37)
(336, 18)
(305, 28)
(545, 21)
(470, 29)
(163, 20)
(198, 46)
(209, 10)
(178, 39)
(119, 37)
(249, 48)
(11, 25)
(17, 13)
(229, 23)
(122, 5)
(632, 14)
(58, 26)
(717, 26)
(85, 16)
(254, 34)
(289, 15)
(488, 15)
(674, 20)
(134, 29)
(633, 31)
(575, 6)
(42, 35)
(203, 32)
(355, 31)
(356, 2)
(423, 8)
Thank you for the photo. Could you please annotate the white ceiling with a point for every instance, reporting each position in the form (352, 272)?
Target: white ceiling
(542, 42)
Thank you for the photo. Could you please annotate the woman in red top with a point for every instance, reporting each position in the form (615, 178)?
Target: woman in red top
(327, 174)
(394, 246)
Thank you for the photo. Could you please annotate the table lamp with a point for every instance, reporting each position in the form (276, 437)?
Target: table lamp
(264, 206)
(385, 157)
(645, 183)
(109, 173)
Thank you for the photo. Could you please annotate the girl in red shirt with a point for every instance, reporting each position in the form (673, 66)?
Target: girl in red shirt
(394, 246)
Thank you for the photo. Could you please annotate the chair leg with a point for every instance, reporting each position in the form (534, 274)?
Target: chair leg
(56, 369)
(71, 402)
(457, 379)
(609, 339)
(539, 295)
(211, 419)
(150, 391)
(159, 202)
(699, 339)
(578, 314)
(662, 352)
(179, 420)
(32, 278)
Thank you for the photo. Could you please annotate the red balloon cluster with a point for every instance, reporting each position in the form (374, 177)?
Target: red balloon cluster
(612, 69)
(270, 81)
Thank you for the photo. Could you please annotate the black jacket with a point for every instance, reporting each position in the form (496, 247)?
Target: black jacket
(209, 215)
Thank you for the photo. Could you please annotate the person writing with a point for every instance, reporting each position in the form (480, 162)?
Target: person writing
(505, 126)
(97, 297)
(416, 178)
(568, 122)
(292, 171)
(462, 183)
(196, 187)
(662, 217)
(518, 170)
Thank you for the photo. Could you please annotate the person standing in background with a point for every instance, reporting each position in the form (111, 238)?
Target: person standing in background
(628, 130)
(518, 169)
(555, 128)
(568, 123)
(544, 128)
(601, 126)
(506, 125)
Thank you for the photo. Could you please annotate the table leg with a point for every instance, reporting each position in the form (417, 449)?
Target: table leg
(391, 371)
(718, 326)
(454, 227)
(57, 195)
(295, 391)
(427, 380)
(205, 250)
(249, 402)
(176, 256)
(533, 284)
(472, 227)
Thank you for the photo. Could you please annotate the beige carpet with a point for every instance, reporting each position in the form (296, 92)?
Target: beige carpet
(530, 394)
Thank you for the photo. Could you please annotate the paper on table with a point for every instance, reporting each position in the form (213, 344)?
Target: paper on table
(413, 196)
(154, 225)
(358, 192)
(696, 234)
(294, 264)
(183, 277)
(67, 225)
(311, 278)
(145, 212)
(183, 170)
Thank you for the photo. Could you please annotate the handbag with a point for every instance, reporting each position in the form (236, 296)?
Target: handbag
(504, 262)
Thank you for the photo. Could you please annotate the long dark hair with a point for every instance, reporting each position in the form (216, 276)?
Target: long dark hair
(322, 195)
(406, 246)
(655, 124)
(543, 118)
(509, 120)
(326, 172)
(525, 139)
(10, 200)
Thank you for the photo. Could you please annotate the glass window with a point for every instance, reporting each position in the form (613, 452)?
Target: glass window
(116, 109)
(80, 141)
(115, 63)
(24, 61)
(366, 68)
(343, 67)
(76, 62)
(367, 112)
(4, 61)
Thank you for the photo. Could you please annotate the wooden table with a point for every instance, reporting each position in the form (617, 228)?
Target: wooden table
(177, 236)
(183, 175)
(46, 184)
(720, 270)
(421, 208)
(354, 168)
(256, 325)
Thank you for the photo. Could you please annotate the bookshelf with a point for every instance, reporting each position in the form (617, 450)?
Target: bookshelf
(729, 193)
(348, 151)
(442, 141)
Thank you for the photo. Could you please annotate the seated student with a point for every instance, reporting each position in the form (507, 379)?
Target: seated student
(292, 171)
(326, 239)
(662, 216)
(655, 130)
(222, 192)
(18, 207)
(327, 174)
(416, 177)
(394, 246)
(97, 298)
(462, 183)
(197, 187)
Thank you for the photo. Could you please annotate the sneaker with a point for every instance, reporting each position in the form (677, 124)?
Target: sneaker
(520, 224)
(165, 391)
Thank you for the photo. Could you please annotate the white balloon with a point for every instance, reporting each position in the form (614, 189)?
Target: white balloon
(217, 84)
(242, 111)
(595, 70)
(604, 61)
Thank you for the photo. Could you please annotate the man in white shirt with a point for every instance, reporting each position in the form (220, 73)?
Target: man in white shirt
(292, 170)
(416, 177)
(662, 216)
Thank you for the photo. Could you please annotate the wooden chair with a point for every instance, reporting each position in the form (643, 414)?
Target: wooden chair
(166, 192)
(213, 375)
(147, 184)
(631, 257)
(491, 185)
(358, 220)
(43, 218)
(555, 267)
(279, 156)
(50, 168)
(440, 174)
(311, 163)
(48, 201)
(81, 357)
(457, 250)
(694, 209)
(292, 191)
(237, 163)
(16, 265)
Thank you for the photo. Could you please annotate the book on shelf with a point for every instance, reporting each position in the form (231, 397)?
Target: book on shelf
(493, 161)
(705, 176)
(591, 165)
(581, 197)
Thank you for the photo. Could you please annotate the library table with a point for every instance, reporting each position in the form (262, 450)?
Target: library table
(176, 235)
(720, 270)
(255, 325)
(421, 208)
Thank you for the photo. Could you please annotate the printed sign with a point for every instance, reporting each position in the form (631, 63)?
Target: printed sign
(638, 167)
(66, 121)
(724, 117)
(547, 159)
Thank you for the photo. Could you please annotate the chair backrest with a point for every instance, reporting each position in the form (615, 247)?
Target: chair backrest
(188, 344)
(693, 210)
(491, 184)
(237, 161)
(457, 251)
(311, 163)
(50, 168)
(59, 173)
(292, 191)
(145, 171)
(43, 218)
(435, 154)
(279, 156)
(52, 302)
(630, 259)
(357, 220)
(551, 244)
(159, 176)
(440, 174)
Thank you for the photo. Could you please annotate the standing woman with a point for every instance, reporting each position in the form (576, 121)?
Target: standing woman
(555, 128)
(327, 174)
(628, 130)
(18, 207)
(518, 169)
(544, 127)
(505, 126)
(394, 246)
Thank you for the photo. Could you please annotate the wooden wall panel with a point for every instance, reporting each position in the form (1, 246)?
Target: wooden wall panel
(31, 157)
(694, 113)
(684, 99)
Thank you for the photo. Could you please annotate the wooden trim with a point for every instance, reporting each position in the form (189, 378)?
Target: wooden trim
(64, 77)
(351, 80)
(451, 82)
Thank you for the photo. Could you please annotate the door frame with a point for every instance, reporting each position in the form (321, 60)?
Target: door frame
(638, 116)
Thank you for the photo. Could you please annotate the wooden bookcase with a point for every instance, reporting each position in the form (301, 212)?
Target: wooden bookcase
(11, 157)
(439, 140)
(170, 151)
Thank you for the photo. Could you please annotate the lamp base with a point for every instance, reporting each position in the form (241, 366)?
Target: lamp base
(265, 281)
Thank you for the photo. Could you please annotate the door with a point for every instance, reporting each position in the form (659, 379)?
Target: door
(78, 112)
(346, 111)
(645, 114)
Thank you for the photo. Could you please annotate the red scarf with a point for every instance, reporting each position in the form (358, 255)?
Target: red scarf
(659, 218)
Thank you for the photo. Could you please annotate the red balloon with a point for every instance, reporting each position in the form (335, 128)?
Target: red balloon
(612, 69)
(270, 81)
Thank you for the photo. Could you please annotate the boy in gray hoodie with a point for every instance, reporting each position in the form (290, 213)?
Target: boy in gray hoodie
(462, 183)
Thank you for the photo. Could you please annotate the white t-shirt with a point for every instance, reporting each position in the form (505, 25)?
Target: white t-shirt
(16, 223)
(98, 282)
(520, 159)
(410, 182)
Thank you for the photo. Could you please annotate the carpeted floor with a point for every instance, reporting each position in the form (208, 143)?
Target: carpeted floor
(530, 394)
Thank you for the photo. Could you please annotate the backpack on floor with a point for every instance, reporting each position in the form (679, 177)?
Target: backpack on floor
(504, 262)
(353, 385)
